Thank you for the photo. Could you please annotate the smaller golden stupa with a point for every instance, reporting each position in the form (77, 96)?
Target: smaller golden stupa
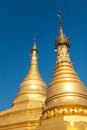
(28, 105)
(66, 103)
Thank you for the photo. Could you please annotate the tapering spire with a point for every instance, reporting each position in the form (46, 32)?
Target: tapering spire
(61, 39)
(60, 22)
(34, 48)
(33, 82)
(62, 44)
(30, 100)
(34, 52)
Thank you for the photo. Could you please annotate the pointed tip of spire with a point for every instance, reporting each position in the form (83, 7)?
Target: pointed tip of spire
(59, 14)
(35, 38)
(61, 39)
(34, 48)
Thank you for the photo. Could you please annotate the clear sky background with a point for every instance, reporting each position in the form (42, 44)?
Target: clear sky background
(19, 20)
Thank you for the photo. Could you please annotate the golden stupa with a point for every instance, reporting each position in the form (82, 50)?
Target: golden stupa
(28, 105)
(66, 103)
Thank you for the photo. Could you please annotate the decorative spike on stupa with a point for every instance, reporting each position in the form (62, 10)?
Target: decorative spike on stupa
(61, 39)
(60, 22)
(34, 48)
(34, 53)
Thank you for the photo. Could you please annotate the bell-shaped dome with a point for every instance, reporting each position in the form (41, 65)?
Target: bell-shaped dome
(33, 88)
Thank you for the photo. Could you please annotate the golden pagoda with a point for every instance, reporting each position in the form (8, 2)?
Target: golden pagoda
(66, 103)
(28, 105)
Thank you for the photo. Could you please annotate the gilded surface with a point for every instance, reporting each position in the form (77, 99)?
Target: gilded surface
(32, 87)
(67, 95)
(66, 104)
(65, 89)
(64, 123)
(28, 105)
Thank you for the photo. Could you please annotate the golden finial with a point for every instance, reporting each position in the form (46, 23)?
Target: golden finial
(34, 48)
(60, 21)
(61, 39)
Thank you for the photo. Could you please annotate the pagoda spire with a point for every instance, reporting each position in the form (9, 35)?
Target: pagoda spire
(60, 22)
(29, 103)
(62, 44)
(66, 92)
(34, 53)
(33, 83)
(61, 39)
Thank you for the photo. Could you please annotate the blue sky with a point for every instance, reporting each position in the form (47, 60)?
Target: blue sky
(19, 20)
